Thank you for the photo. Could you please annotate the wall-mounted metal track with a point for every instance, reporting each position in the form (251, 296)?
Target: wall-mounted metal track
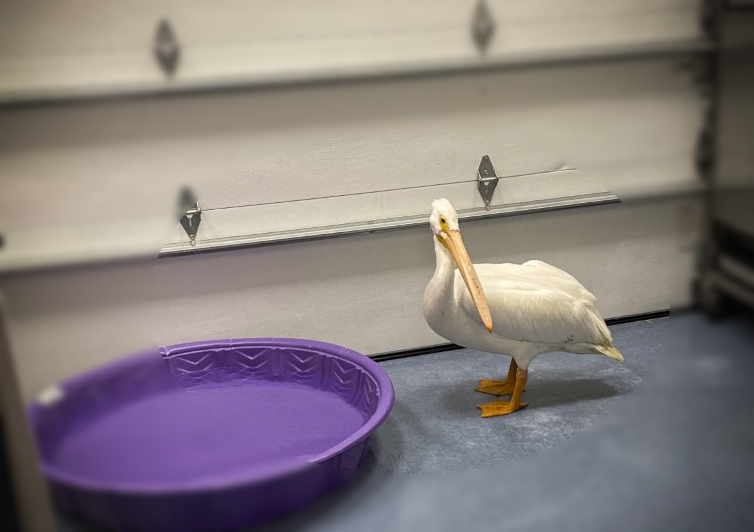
(390, 224)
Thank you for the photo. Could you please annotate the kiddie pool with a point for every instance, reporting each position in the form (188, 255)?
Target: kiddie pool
(209, 436)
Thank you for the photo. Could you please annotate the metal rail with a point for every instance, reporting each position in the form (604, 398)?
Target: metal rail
(387, 224)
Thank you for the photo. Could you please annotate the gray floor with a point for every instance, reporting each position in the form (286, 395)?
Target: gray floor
(664, 441)
(675, 453)
(435, 426)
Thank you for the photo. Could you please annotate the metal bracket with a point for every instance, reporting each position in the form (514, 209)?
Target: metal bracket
(482, 26)
(486, 180)
(166, 47)
(709, 18)
(705, 76)
(193, 216)
(704, 154)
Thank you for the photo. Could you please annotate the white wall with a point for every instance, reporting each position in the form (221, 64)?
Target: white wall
(98, 180)
(632, 126)
(62, 48)
(361, 291)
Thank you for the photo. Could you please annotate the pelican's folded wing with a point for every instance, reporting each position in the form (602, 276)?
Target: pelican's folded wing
(533, 311)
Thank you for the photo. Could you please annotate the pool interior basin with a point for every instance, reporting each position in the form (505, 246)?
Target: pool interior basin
(141, 444)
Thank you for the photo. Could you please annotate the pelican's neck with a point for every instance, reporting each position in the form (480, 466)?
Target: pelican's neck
(444, 267)
(439, 289)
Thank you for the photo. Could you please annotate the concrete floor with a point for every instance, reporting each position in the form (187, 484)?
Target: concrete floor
(676, 451)
(676, 454)
(435, 426)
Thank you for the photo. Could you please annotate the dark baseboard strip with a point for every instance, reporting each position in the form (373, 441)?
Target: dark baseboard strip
(406, 353)
(638, 317)
(392, 355)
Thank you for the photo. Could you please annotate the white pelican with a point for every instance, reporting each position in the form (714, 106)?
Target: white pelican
(520, 310)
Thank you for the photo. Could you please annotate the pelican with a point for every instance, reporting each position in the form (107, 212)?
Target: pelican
(521, 310)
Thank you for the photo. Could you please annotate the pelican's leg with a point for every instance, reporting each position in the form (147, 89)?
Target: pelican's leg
(500, 387)
(500, 408)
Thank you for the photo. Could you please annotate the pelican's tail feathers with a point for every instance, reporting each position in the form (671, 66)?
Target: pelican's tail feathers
(610, 351)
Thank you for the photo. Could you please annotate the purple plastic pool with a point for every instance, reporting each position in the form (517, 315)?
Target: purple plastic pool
(209, 436)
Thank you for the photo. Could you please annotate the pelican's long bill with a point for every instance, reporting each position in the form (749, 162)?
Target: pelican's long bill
(454, 243)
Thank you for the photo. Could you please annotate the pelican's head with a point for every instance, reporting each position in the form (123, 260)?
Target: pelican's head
(444, 224)
(443, 218)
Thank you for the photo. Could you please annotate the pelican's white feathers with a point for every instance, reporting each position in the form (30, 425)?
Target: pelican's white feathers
(534, 307)
(520, 310)
(537, 303)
